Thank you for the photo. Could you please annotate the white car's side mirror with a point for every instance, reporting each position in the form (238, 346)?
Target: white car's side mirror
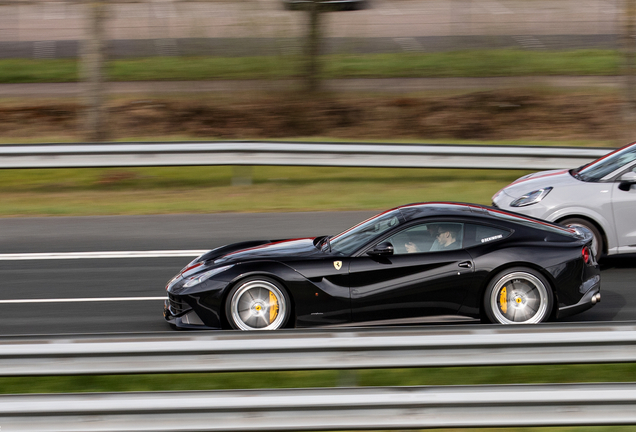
(627, 180)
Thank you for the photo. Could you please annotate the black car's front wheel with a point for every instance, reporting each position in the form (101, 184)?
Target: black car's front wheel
(518, 296)
(257, 304)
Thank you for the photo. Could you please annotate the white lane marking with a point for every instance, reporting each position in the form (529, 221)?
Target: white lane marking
(100, 255)
(76, 300)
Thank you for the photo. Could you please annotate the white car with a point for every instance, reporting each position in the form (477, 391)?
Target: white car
(599, 196)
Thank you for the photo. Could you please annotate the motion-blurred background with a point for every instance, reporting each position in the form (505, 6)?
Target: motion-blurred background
(416, 69)
(453, 72)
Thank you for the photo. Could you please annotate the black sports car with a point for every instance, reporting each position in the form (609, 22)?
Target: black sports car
(406, 264)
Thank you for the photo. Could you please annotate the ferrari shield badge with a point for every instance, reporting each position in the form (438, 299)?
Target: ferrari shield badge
(337, 264)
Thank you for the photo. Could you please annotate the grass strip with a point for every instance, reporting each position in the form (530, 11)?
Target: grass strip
(305, 379)
(162, 190)
(474, 63)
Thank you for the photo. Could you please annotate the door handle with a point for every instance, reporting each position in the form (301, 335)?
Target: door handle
(465, 264)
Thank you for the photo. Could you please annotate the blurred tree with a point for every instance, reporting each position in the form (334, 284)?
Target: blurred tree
(313, 46)
(92, 72)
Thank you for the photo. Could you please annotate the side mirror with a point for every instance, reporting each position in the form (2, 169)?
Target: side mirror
(627, 180)
(382, 249)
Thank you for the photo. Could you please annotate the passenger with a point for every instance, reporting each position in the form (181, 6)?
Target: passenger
(445, 238)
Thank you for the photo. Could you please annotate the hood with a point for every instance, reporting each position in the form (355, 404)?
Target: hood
(277, 250)
(538, 180)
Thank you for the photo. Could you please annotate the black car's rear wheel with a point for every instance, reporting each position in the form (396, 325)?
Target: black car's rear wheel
(257, 304)
(518, 296)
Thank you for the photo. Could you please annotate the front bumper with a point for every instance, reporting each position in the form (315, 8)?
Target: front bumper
(186, 319)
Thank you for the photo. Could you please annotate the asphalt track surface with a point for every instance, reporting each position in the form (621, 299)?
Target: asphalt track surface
(115, 295)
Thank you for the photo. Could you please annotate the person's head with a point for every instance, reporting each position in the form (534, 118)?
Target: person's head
(446, 234)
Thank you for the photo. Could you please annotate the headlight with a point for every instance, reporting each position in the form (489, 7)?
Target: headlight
(195, 280)
(531, 198)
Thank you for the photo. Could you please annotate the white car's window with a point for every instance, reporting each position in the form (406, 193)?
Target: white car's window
(604, 166)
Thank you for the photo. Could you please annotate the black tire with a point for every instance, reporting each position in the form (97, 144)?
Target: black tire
(597, 244)
(528, 297)
(257, 303)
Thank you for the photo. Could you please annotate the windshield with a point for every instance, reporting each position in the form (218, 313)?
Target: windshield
(354, 238)
(600, 168)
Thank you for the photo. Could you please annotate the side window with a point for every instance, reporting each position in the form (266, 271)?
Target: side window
(429, 237)
(479, 234)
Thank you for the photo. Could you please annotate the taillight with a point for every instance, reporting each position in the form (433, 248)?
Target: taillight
(587, 253)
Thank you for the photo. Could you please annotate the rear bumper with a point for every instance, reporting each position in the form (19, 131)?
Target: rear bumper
(589, 299)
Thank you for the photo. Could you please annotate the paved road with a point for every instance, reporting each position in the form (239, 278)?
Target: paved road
(146, 277)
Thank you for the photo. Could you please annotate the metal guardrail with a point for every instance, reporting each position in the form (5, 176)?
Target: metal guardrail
(294, 153)
(312, 350)
(370, 408)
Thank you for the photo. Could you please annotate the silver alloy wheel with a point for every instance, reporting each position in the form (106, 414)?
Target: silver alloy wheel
(258, 305)
(519, 298)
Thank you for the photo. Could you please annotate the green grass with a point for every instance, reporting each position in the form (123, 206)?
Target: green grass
(85, 192)
(477, 63)
(305, 379)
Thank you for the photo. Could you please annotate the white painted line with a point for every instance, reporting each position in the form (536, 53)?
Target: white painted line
(101, 255)
(78, 300)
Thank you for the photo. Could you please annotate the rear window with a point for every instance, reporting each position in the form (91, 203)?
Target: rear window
(532, 223)
(481, 234)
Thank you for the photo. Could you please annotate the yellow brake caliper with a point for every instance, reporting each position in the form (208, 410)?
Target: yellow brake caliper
(503, 300)
(273, 307)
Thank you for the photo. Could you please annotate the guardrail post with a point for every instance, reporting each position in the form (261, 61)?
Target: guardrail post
(92, 73)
